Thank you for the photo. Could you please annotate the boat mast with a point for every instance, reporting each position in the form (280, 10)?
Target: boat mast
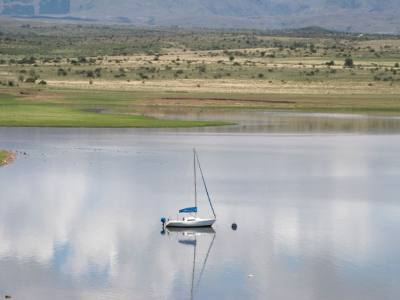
(195, 178)
(194, 267)
(205, 262)
(204, 182)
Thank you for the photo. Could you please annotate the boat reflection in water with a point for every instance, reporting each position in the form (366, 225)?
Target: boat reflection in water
(193, 237)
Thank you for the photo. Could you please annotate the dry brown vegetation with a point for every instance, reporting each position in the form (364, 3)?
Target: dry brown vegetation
(103, 71)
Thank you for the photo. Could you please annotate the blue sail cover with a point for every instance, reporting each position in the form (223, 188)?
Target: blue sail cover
(188, 242)
(188, 210)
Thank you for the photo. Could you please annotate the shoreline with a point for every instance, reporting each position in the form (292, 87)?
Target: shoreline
(6, 157)
(48, 107)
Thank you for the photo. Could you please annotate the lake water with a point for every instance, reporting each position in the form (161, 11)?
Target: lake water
(256, 121)
(318, 215)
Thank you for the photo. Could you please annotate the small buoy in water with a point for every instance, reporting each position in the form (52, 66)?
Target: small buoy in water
(234, 226)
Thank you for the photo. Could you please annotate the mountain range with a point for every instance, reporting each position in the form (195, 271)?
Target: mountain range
(378, 16)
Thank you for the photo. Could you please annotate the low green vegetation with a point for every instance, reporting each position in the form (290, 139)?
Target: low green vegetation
(6, 157)
(3, 155)
(79, 109)
(86, 108)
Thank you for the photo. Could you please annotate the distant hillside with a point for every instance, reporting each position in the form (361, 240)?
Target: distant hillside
(54, 7)
(349, 15)
(34, 7)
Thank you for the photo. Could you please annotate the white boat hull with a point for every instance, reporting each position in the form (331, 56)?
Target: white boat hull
(190, 223)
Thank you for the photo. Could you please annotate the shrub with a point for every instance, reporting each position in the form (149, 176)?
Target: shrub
(30, 61)
(383, 77)
(97, 72)
(30, 80)
(202, 69)
(348, 62)
(32, 74)
(82, 60)
(61, 72)
(143, 76)
(120, 75)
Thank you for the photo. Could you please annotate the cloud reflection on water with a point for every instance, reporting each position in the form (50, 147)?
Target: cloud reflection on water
(89, 230)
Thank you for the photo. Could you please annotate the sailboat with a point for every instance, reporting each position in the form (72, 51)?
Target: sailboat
(193, 220)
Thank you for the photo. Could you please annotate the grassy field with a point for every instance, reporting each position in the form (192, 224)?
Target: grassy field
(42, 108)
(92, 76)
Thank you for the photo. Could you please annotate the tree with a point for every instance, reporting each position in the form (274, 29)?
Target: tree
(348, 62)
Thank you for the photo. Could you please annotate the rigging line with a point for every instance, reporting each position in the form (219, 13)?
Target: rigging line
(204, 264)
(195, 178)
(205, 185)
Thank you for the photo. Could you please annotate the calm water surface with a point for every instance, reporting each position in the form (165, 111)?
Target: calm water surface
(318, 215)
(256, 121)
